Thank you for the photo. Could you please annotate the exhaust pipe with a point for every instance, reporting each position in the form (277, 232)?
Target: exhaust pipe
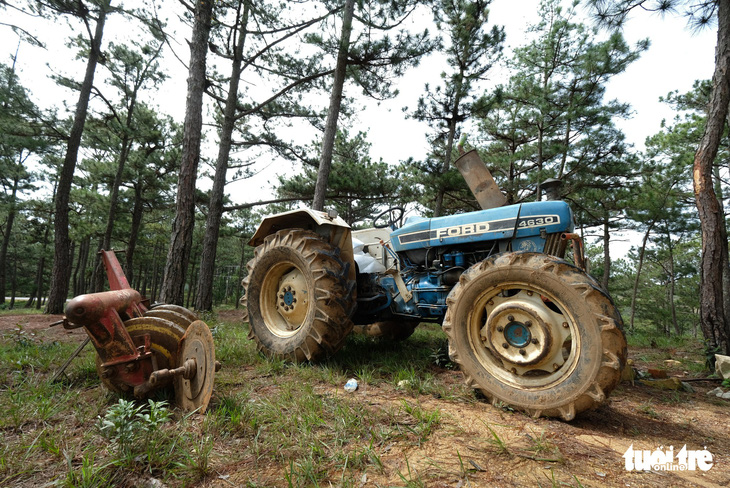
(480, 180)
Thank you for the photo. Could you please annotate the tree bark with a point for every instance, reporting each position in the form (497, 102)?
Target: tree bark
(204, 295)
(642, 251)
(330, 130)
(106, 241)
(61, 271)
(181, 237)
(137, 212)
(712, 314)
(725, 264)
(6, 237)
(80, 273)
(606, 254)
(42, 267)
(438, 208)
(241, 267)
(672, 287)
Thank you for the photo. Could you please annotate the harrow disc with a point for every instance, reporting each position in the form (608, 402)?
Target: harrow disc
(171, 315)
(165, 336)
(194, 389)
(190, 316)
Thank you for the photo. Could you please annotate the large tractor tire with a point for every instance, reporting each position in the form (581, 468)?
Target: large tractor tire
(298, 296)
(536, 333)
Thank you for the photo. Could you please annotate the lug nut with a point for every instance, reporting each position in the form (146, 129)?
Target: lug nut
(535, 341)
(529, 293)
(522, 351)
(565, 325)
(511, 318)
(505, 345)
(500, 329)
(528, 323)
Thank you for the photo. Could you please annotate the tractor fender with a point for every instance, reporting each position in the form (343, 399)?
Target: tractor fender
(327, 224)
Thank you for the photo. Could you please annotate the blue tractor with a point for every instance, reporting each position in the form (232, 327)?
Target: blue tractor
(527, 327)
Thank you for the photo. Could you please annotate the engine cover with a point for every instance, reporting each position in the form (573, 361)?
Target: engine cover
(525, 224)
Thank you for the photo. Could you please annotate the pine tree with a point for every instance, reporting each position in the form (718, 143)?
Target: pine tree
(88, 12)
(472, 50)
(613, 13)
(181, 236)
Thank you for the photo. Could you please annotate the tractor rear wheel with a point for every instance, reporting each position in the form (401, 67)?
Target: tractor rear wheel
(536, 333)
(298, 296)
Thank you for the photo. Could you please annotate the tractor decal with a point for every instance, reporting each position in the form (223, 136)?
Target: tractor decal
(478, 228)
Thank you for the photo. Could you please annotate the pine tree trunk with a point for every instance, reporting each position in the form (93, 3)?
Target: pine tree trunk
(6, 238)
(61, 271)
(712, 314)
(642, 251)
(725, 264)
(181, 236)
(106, 241)
(204, 295)
(80, 273)
(156, 271)
(672, 288)
(42, 267)
(14, 280)
(241, 267)
(330, 129)
(438, 207)
(134, 231)
(606, 255)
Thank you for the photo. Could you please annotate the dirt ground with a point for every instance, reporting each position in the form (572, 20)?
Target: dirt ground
(585, 452)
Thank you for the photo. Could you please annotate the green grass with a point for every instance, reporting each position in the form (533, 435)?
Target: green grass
(18, 308)
(288, 424)
(643, 338)
(295, 416)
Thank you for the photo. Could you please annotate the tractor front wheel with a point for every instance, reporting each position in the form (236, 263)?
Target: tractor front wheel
(298, 296)
(536, 333)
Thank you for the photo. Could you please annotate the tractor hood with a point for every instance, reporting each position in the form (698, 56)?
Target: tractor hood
(527, 222)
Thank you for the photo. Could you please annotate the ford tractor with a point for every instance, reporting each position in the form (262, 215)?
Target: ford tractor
(527, 327)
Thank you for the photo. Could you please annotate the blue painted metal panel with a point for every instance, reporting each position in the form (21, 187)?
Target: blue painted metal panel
(528, 220)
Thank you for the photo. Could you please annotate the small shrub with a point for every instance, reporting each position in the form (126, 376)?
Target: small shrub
(131, 428)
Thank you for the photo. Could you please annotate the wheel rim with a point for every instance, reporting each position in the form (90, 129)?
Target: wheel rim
(524, 336)
(284, 299)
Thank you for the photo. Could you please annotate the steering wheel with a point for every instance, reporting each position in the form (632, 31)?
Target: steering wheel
(394, 216)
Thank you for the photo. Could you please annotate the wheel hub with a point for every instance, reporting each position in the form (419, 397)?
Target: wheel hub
(290, 305)
(524, 333)
(517, 334)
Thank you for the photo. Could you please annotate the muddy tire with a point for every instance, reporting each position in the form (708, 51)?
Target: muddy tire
(298, 296)
(536, 333)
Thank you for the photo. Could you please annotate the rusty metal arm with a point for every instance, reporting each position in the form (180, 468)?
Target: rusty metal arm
(578, 251)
